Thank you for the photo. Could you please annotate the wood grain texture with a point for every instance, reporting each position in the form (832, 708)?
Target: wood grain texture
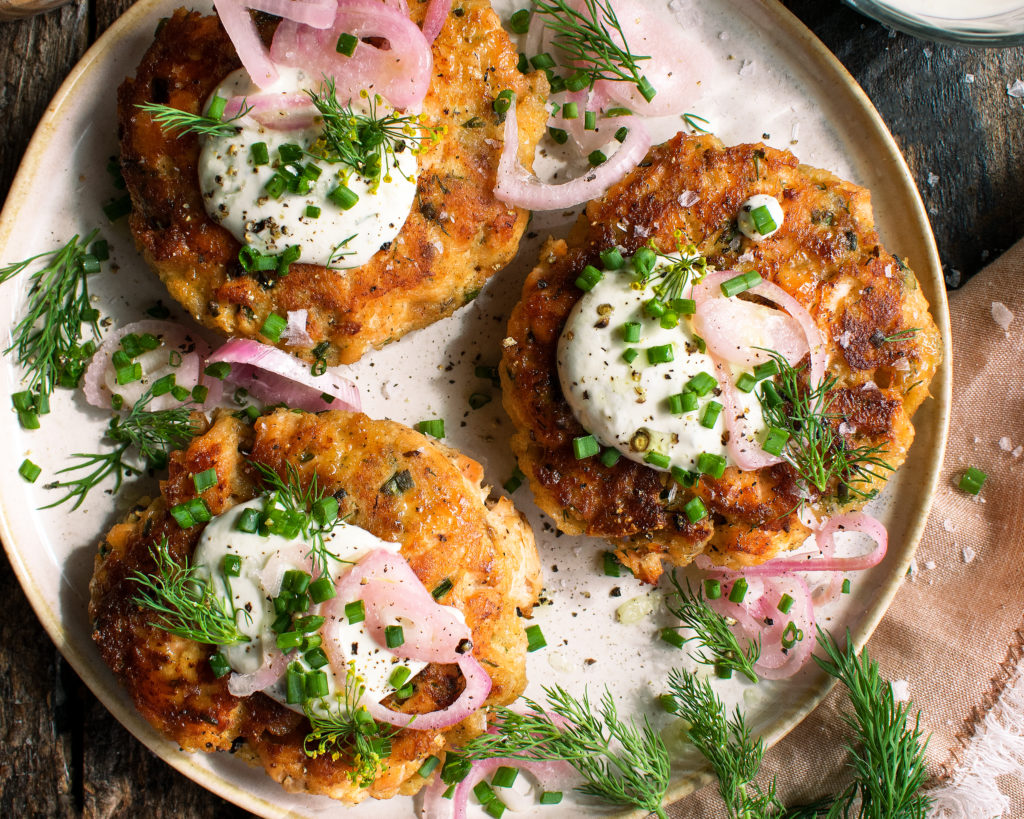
(64, 755)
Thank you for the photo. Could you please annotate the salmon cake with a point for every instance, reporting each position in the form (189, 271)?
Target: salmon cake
(373, 492)
(449, 234)
(631, 426)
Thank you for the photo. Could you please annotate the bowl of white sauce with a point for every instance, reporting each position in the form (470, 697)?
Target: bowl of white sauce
(972, 22)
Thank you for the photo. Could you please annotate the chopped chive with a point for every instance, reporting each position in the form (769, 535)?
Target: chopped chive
(612, 259)
(322, 589)
(746, 382)
(610, 456)
(675, 403)
(621, 134)
(520, 24)
(785, 604)
(484, 792)
(556, 82)
(289, 153)
(316, 684)
(29, 471)
(643, 261)
(513, 483)
(259, 153)
(551, 797)
(182, 516)
(219, 665)
(723, 672)
(684, 477)
(711, 464)
(275, 186)
(478, 400)
(770, 395)
(589, 121)
(207, 479)
(630, 354)
(231, 565)
(570, 110)
(433, 427)
(577, 81)
(695, 510)
(248, 521)
(712, 589)
(311, 641)
(198, 510)
(662, 354)
(219, 370)
(585, 446)
(669, 320)
(325, 510)
(23, 401)
(776, 441)
(129, 374)
(972, 480)
(312, 212)
(766, 370)
(791, 635)
(846, 586)
(399, 677)
(558, 135)
(503, 101)
(763, 220)
(672, 637)
(431, 762)
(702, 383)
(612, 566)
(735, 285)
(344, 197)
(118, 208)
(315, 657)
(658, 459)
(596, 158)
(200, 393)
(542, 61)
(289, 640)
(646, 89)
(708, 419)
(309, 624)
(28, 420)
(504, 777)
(355, 612)
(100, 250)
(217, 106)
(589, 278)
(739, 591)
(296, 581)
(442, 588)
(347, 44)
(272, 327)
(534, 638)
(631, 332)
(394, 636)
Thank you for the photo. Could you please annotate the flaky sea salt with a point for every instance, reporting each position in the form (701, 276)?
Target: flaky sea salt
(947, 524)
(969, 554)
(1005, 444)
(1002, 315)
(900, 690)
(968, 78)
(929, 564)
(687, 199)
(933, 179)
(1018, 451)
(747, 68)
(1016, 89)
(844, 339)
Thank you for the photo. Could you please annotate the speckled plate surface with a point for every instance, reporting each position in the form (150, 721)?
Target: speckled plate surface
(761, 75)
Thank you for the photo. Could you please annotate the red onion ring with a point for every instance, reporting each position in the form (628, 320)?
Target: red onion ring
(433, 21)
(519, 187)
(401, 73)
(274, 665)
(98, 382)
(281, 112)
(274, 376)
(314, 13)
(549, 774)
(737, 331)
(246, 39)
(391, 590)
(746, 454)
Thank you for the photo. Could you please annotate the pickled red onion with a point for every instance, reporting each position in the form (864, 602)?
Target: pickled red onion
(274, 376)
(274, 664)
(400, 73)
(519, 187)
(241, 29)
(434, 19)
(549, 774)
(315, 13)
(99, 382)
(277, 111)
(738, 331)
(433, 633)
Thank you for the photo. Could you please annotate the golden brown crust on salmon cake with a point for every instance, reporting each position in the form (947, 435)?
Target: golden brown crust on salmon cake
(457, 234)
(873, 318)
(444, 527)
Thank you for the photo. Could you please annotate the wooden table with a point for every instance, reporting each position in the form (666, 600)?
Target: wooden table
(62, 754)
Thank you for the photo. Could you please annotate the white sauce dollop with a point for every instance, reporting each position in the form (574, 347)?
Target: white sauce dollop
(235, 197)
(614, 399)
(746, 221)
(373, 662)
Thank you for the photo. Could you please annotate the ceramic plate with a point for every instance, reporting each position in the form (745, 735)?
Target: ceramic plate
(762, 76)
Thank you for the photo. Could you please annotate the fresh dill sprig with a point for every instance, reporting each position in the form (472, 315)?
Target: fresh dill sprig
(675, 274)
(727, 744)
(184, 122)
(713, 631)
(300, 508)
(887, 758)
(621, 762)
(877, 339)
(185, 602)
(692, 121)
(815, 449)
(153, 434)
(344, 730)
(47, 340)
(367, 143)
(594, 41)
